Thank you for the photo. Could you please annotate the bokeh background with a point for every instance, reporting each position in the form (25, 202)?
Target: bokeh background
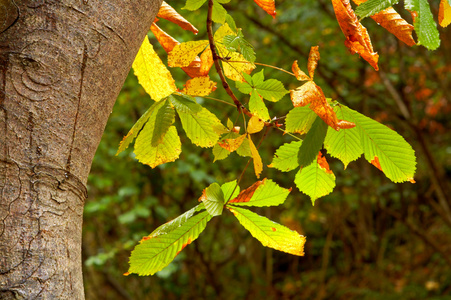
(369, 239)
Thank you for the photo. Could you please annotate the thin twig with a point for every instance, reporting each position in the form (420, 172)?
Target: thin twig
(219, 100)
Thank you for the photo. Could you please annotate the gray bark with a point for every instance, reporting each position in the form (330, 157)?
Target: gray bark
(62, 65)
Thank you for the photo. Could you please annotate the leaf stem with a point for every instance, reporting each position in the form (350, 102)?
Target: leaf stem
(219, 100)
(277, 68)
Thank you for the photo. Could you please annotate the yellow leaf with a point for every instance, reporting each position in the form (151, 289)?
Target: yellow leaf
(235, 65)
(255, 125)
(183, 54)
(232, 144)
(300, 75)
(152, 73)
(222, 32)
(444, 13)
(199, 86)
(258, 164)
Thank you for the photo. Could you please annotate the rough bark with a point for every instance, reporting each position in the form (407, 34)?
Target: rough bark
(62, 65)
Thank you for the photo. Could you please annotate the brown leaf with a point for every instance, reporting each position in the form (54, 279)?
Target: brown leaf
(267, 5)
(300, 75)
(394, 23)
(343, 124)
(375, 162)
(323, 164)
(246, 195)
(167, 12)
(357, 38)
(313, 59)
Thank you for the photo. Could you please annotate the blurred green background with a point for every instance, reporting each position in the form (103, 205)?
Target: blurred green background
(369, 239)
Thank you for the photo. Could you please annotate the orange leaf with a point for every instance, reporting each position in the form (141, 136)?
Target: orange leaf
(199, 86)
(322, 162)
(198, 67)
(343, 124)
(375, 162)
(357, 38)
(305, 94)
(267, 5)
(394, 23)
(232, 144)
(167, 12)
(300, 75)
(444, 13)
(313, 59)
(246, 195)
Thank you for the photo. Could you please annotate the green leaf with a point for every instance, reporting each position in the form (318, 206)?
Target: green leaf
(269, 233)
(271, 90)
(300, 119)
(194, 4)
(315, 181)
(231, 22)
(425, 27)
(128, 139)
(258, 107)
(244, 87)
(286, 157)
(230, 190)
(164, 119)
(262, 193)
(219, 13)
(239, 43)
(186, 104)
(168, 150)
(345, 143)
(202, 128)
(213, 199)
(372, 7)
(155, 253)
(395, 155)
(313, 142)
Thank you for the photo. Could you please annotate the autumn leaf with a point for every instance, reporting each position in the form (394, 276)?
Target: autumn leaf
(152, 74)
(258, 164)
(255, 125)
(199, 86)
(267, 5)
(213, 199)
(246, 195)
(444, 13)
(167, 12)
(232, 144)
(357, 38)
(313, 59)
(323, 164)
(262, 193)
(300, 75)
(183, 54)
(394, 23)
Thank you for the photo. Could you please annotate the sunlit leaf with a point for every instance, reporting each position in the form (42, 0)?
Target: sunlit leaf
(444, 13)
(424, 24)
(183, 54)
(185, 104)
(394, 23)
(153, 254)
(313, 59)
(262, 193)
(235, 65)
(170, 14)
(199, 86)
(267, 5)
(255, 125)
(258, 164)
(396, 156)
(232, 144)
(315, 180)
(258, 107)
(168, 150)
(230, 190)
(300, 120)
(357, 38)
(305, 94)
(344, 144)
(165, 118)
(269, 233)
(245, 149)
(313, 142)
(286, 157)
(213, 199)
(194, 4)
(219, 13)
(152, 73)
(300, 75)
(202, 128)
(370, 7)
(166, 41)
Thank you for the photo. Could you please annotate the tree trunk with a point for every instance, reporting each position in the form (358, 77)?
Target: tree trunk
(62, 65)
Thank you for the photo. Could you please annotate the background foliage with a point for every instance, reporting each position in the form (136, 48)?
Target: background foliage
(369, 239)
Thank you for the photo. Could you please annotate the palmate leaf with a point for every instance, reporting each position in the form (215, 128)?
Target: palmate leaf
(380, 143)
(343, 144)
(286, 157)
(213, 199)
(300, 119)
(315, 181)
(271, 89)
(372, 7)
(155, 253)
(152, 74)
(269, 233)
(313, 142)
(262, 193)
